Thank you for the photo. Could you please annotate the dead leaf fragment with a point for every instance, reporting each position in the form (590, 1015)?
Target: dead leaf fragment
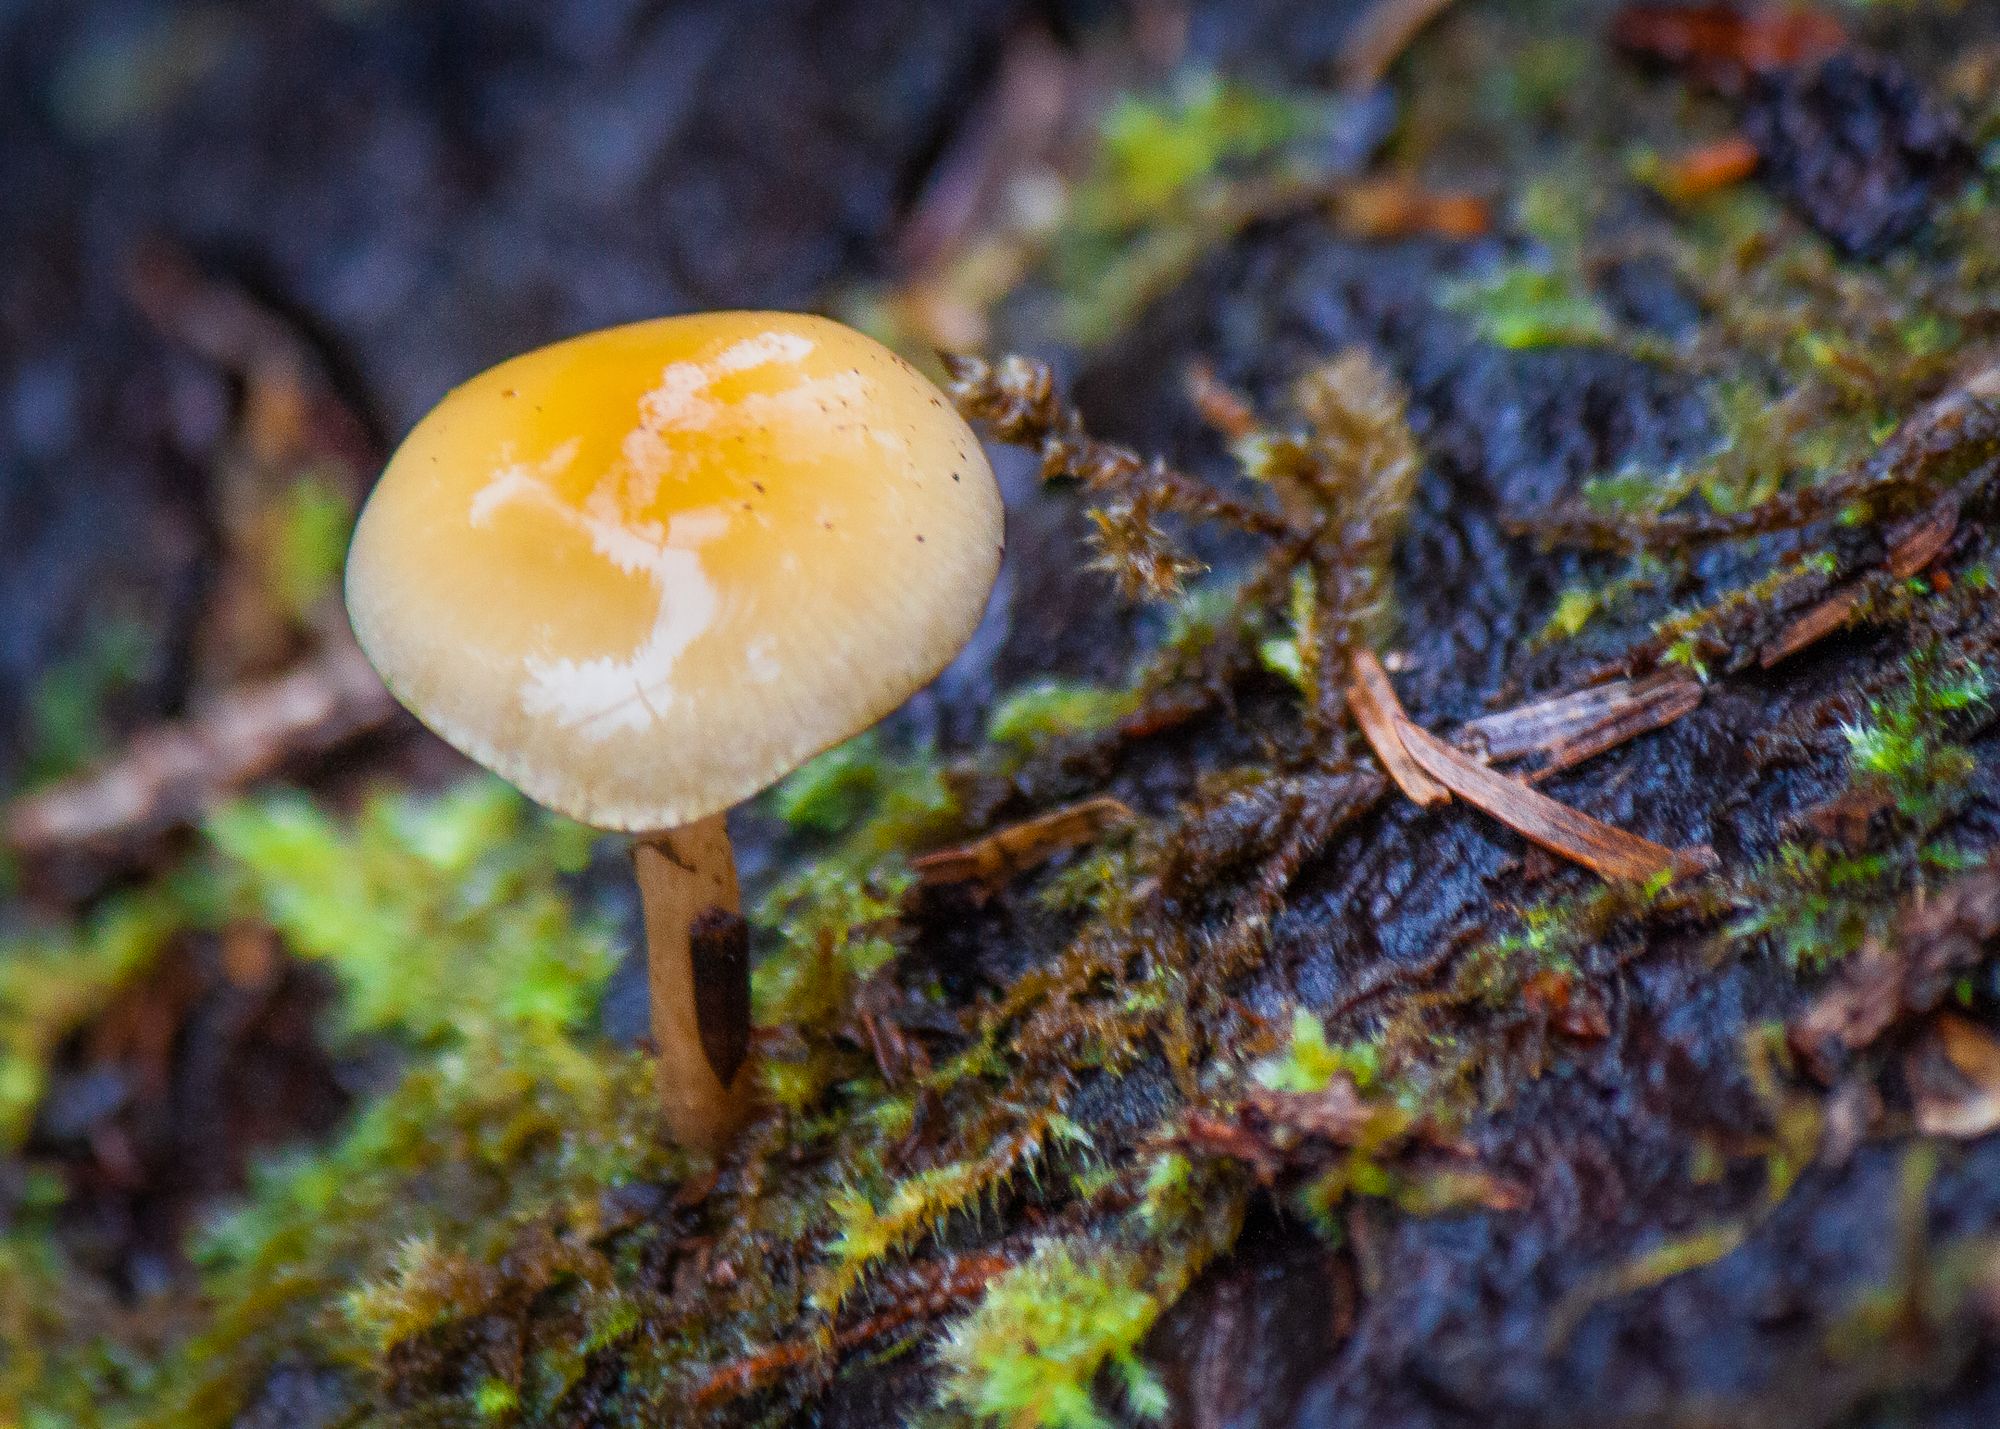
(1568, 729)
(1706, 170)
(1724, 44)
(1909, 972)
(1379, 712)
(1606, 851)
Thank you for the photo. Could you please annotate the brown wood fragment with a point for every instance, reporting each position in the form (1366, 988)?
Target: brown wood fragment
(174, 774)
(1378, 712)
(1606, 851)
(1396, 206)
(1569, 729)
(934, 1291)
(1922, 539)
(1006, 854)
(1704, 170)
(1812, 627)
(1223, 409)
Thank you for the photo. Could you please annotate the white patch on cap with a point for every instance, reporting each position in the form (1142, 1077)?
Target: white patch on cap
(602, 696)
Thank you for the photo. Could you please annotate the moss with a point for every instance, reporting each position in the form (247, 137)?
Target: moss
(1578, 605)
(1152, 150)
(1032, 1351)
(1817, 904)
(1309, 1062)
(439, 918)
(1902, 745)
(1156, 191)
(51, 982)
(475, 1149)
(66, 728)
(1530, 304)
(875, 798)
(310, 524)
(829, 792)
(1046, 709)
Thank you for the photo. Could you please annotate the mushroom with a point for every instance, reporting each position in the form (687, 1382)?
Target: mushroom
(644, 573)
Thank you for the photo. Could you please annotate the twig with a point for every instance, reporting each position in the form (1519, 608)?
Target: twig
(1006, 854)
(1912, 546)
(174, 774)
(1813, 626)
(951, 1283)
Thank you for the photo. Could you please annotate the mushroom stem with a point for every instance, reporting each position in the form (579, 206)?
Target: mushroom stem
(698, 957)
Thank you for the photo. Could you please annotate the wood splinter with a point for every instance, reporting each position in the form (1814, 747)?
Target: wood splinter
(1000, 857)
(1606, 851)
(1378, 712)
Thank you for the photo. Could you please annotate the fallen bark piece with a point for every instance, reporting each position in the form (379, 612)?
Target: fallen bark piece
(1606, 851)
(1903, 975)
(1378, 712)
(1569, 729)
(173, 775)
(1006, 854)
(1809, 629)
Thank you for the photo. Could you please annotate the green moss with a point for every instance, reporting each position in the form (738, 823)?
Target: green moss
(1049, 708)
(471, 1149)
(1152, 150)
(1579, 605)
(917, 1205)
(1158, 190)
(1530, 304)
(311, 523)
(1030, 1354)
(1817, 904)
(52, 981)
(1292, 656)
(440, 918)
(1903, 746)
(1309, 1062)
(65, 729)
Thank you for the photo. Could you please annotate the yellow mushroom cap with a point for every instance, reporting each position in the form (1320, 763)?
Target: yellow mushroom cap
(646, 572)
